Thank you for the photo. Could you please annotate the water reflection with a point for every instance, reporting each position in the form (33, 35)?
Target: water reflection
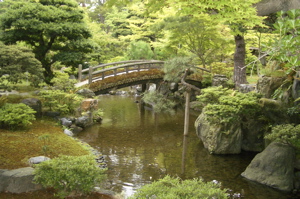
(141, 147)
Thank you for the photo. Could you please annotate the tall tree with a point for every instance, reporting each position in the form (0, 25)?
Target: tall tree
(17, 63)
(239, 15)
(54, 29)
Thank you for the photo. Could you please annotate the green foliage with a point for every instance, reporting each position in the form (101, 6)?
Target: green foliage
(228, 12)
(286, 133)
(45, 138)
(57, 100)
(3, 100)
(212, 95)
(139, 50)
(17, 63)
(69, 173)
(158, 101)
(285, 48)
(200, 35)
(174, 188)
(55, 30)
(175, 67)
(223, 106)
(62, 81)
(16, 115)
(222, 68)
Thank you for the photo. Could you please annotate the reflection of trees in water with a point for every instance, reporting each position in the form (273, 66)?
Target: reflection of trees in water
(227, 170)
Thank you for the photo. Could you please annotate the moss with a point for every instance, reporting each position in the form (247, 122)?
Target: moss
(18, 146)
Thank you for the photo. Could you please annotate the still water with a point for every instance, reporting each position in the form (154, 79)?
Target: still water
(141, 147)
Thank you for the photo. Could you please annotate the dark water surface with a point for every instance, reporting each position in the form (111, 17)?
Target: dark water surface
(141, 147)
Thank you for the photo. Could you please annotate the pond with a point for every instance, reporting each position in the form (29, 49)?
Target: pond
(141, 147)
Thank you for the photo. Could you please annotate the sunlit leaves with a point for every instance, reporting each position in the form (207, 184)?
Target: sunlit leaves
(286, 46)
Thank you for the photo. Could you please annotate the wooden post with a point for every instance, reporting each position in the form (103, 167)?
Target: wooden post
(90, 74)
(79, 72)
(187, 111)
(184, 151)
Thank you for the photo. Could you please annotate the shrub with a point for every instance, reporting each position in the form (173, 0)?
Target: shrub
(3, 100)
(174, 188)
(57, 100)
(68, 174)
(225, 106)
(62, 81)
(16, 115)
(285, 133)
(159, 102)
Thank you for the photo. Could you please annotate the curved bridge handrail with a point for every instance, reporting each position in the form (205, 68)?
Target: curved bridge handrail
(124, 64)
(127, 65)
(116, 63)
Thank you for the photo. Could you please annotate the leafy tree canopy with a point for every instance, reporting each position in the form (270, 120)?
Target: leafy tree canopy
(18, 63)
(55, 30)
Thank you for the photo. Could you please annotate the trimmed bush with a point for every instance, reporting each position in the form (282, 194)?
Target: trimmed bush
(68, 174)
(174, 188)
(16, 115)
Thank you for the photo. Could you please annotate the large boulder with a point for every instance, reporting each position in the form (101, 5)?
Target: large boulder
(219, 80)
(18, 180)
(267, 85)
(83, 121)
(86, 93)
(296, 86)
(253, 135)
(217, 138)
(89, 105)
(246, 88)
(273, 167)
(35, 104)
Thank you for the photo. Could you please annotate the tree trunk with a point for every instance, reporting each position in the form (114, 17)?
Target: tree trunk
(48, 73)
(239, 61)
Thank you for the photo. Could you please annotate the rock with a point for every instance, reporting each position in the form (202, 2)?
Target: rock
(296, 86)
(68, 132)
(219, 139)
(253, 135)
(297, 164)
(152, 87)
(174, 86)
(86, 93)
(83, 121)
(89, 105)
(18, 180)
(76, 129)
(35, 104)
(297, 180)
(65, 122)
(267, 85)
(246, 88)
(273, 167)
(37, 160)
(219, 80)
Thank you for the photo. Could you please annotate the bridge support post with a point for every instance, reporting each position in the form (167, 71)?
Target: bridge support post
(144, 87)
(79, 72)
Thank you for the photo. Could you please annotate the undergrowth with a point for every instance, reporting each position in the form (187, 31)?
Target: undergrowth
(20, 145)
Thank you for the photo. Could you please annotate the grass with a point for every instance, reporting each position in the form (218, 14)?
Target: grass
(252, 79)
(43, 137)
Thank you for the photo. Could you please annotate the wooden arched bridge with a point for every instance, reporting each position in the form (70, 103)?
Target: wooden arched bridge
(105, 77)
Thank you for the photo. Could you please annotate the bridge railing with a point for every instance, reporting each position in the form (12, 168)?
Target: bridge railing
(117, 68)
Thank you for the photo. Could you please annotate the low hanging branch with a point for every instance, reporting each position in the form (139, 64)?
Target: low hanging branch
(190, 86)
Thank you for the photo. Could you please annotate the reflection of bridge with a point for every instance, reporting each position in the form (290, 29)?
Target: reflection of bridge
(105, 77)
